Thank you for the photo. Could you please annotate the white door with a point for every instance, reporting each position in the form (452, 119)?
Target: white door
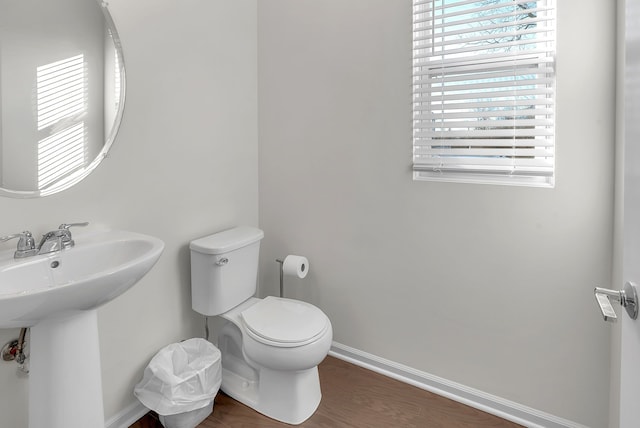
(630, 348)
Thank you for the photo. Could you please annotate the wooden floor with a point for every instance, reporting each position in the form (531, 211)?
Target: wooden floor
(356, 397)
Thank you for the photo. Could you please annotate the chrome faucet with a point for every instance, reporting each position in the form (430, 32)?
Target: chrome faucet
(26, 244)
(51, 242)
(58, 239)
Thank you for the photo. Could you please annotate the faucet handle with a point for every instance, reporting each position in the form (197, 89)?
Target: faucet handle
(26, 244)
(66, 226)
(8, 237)
(65, 234)
(26, 241)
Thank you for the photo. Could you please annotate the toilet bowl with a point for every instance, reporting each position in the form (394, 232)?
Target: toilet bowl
(277, 374)
(270, 347)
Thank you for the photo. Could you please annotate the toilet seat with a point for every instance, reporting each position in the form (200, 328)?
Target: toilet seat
(284, 322)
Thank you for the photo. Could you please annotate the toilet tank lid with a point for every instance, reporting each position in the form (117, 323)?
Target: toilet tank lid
(228, 240)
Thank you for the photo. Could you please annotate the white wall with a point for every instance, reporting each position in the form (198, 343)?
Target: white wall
(184, 165)
(488, 286)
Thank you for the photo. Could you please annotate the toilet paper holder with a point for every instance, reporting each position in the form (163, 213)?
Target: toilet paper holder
(627, 297)
(281, 263)
(292, 265)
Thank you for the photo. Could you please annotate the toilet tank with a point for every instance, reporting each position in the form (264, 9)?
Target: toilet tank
(224, 269)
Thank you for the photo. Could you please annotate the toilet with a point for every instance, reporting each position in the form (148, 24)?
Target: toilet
(270, 347)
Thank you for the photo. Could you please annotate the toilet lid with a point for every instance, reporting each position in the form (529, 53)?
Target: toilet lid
(284, 321)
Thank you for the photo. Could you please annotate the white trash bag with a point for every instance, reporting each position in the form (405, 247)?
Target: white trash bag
(181, 377)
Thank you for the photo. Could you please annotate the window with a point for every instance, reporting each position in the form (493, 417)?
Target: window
(483, 91)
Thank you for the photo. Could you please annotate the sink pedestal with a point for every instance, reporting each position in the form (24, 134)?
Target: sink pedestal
(65, 383)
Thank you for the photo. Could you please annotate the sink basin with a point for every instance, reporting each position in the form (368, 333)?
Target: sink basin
(99, 268)
(57, 295)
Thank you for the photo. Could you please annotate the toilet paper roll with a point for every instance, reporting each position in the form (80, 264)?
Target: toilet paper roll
(295, 266)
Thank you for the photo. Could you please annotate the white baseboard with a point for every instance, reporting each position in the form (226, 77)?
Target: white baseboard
(127, 417)
(488, 403)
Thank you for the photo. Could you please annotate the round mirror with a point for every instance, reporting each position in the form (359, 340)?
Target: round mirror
(62, 86)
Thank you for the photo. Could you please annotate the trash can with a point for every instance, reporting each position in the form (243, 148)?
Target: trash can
(180, 383)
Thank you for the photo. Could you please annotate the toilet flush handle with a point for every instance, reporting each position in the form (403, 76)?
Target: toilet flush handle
(223, 261)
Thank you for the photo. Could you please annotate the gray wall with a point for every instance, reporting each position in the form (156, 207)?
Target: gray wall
(488, 286)
(184, 165)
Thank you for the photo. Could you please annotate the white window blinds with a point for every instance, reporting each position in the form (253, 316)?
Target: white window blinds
(483, 91)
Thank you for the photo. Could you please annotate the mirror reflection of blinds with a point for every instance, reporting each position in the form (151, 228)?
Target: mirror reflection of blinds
(61, 89)
(61, 154)
(483, 91)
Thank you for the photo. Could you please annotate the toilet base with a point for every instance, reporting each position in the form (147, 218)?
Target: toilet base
(289, 397)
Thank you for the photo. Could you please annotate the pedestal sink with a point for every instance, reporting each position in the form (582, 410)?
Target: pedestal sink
(57, 296)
